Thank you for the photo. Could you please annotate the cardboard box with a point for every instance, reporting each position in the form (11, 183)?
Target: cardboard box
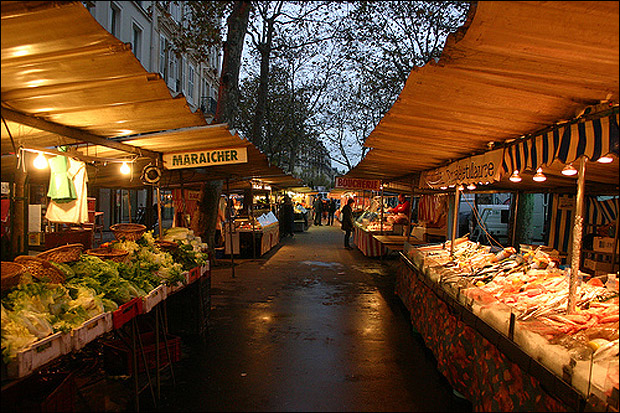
(598, 267)
(603, 244)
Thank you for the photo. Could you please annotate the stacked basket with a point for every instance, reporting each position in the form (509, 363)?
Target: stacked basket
(128, 231)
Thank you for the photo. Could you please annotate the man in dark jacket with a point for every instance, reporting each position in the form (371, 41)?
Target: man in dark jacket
(287, 217)
(331, 211)
(347, 222)
(318, 210)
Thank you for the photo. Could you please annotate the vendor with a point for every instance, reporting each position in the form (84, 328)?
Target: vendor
(403, 206)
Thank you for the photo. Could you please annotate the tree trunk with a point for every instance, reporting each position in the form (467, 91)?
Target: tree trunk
(228, 96)
(228, 101)
(263, 88)
(525, 208)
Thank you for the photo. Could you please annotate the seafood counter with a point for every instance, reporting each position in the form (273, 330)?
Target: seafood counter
(523, 297)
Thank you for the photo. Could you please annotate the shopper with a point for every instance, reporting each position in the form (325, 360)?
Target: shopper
(318, 210)
(331, 211)
(347, 222)
(287, 216)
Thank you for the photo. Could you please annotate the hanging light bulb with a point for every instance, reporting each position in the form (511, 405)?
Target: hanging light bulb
(460, 188)
(471, 187)
(605, 159)
(443, 187)
(569, 170)
(40, 162)
(125, 169)
(515, 177)
(539, 177)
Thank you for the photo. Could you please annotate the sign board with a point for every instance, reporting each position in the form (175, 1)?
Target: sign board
(484, 169)
(201, 159)
(352, 183)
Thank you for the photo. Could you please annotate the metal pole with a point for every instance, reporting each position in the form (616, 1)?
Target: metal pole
(251, 215)
(381, 206)
(514, 219)
(455, 217)
(410, 211)
(577, 236)
(159, 211)
(230, 228)
(614, 254)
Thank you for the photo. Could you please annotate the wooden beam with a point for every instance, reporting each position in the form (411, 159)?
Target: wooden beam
(75, 133)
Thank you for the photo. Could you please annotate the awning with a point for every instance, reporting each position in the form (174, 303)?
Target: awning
(514, 69)
(593, 139)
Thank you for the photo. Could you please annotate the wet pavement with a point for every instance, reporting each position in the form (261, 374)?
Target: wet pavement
(310, 326)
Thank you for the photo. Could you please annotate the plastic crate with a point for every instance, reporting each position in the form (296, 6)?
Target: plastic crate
(39, 353)
(91, 329)
(193, 274)
(171, 289)
(118, 357)
(54, 392)
(126, 312)
(156, 296)
(205, 270)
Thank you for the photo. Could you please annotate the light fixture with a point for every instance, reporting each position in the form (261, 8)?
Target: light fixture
(125, 170)
(539, 177)
(460, 188)
(605, 159)
(569, 170)
(443, 187)
(40, 162)
(515, 177)
(471, 187)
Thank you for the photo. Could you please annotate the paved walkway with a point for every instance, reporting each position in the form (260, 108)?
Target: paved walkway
(311, 326)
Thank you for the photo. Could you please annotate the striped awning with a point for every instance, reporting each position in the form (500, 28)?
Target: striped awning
(593, 138)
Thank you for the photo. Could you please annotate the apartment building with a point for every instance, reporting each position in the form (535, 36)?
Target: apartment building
(149, 26)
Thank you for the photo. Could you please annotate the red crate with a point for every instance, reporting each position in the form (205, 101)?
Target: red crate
(194, 274)
(126, 312)
(41, 392)
(118, 359)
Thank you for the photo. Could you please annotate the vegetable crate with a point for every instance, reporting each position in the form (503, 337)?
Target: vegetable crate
(118, 357)
(171, 289)
(91, 329)
(156, 296)
(193, 274)
(39, 353)
(126, 312)
(53, 392)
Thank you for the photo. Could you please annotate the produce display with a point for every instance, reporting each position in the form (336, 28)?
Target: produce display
(37, 308)
(534, 288)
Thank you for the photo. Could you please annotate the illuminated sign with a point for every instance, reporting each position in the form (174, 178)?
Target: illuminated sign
(201, 159)
(352, 183)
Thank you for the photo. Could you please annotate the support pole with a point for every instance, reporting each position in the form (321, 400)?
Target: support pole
(455, 217)
(514, 218)
(381, 206)
(251, 216)
(577, 236)
(230, 228)
(159, 211)
(410, 211)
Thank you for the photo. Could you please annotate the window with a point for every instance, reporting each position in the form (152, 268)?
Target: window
(172, 73)
(115, 21)
(181, 80)
(190, 83)
(136, 41)
(163, 63)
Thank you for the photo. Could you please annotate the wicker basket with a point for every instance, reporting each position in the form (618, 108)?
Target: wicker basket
(41, 269)
(166, 245)
(65, 253)
(11, 274)
(112, 254)
(127, 231)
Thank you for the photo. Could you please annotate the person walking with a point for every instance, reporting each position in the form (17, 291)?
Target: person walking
(287, 216)
(331, 211)
(347, 222)
(318, 210)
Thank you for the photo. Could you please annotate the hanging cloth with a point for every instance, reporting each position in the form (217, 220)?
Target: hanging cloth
(74, 211)
(61, 188)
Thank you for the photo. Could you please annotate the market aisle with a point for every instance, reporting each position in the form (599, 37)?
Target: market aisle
(310, 327)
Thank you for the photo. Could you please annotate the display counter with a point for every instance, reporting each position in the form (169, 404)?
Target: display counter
(247, 239)
(366, 243)
(507, 357)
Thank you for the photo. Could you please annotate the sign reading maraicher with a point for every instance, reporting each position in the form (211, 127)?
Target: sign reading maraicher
(201, 159)
(351, 183)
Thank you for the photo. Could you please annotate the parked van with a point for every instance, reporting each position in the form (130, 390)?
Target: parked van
(495, 219)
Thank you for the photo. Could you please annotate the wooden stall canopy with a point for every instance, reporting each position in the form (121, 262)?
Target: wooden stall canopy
(514, 69)
(66, 81)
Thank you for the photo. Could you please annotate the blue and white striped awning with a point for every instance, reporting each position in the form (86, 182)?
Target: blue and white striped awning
(593, 138)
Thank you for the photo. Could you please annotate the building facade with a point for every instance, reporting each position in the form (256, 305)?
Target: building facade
(149, 26)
